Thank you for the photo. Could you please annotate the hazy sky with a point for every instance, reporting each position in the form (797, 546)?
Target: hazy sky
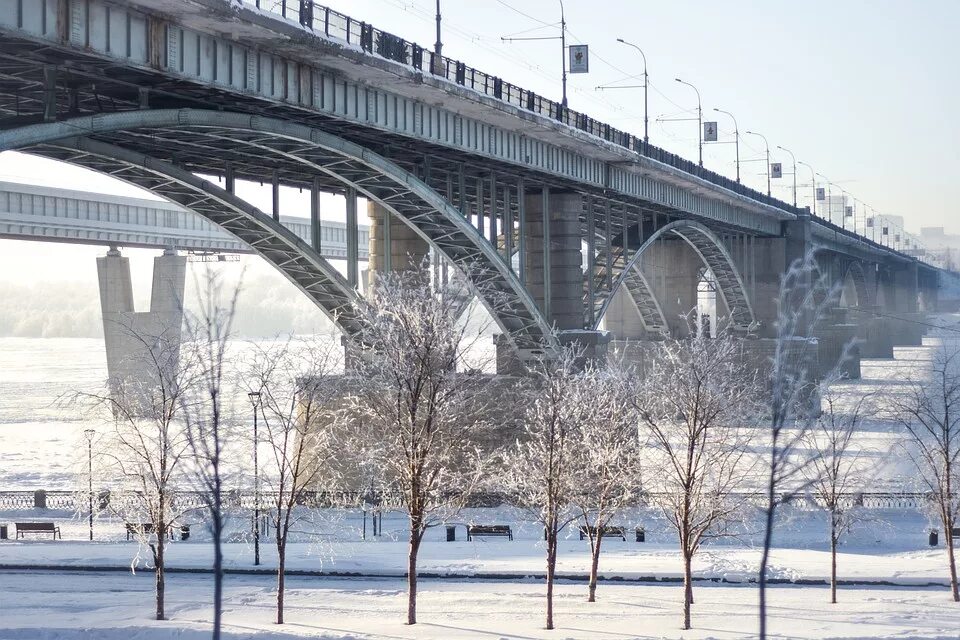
(863, 91)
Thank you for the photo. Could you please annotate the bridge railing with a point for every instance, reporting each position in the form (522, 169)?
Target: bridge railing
(333, 24)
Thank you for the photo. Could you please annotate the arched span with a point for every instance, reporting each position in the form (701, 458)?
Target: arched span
(302, 266)
(217, 134)
(713, 254)
(858, 278)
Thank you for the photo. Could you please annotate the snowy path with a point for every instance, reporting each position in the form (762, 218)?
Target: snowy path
(68, 606)
(626, 561)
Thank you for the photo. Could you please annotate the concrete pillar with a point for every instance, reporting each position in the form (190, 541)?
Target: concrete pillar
(839, 347)
(622, 318)
(874, 332)
(672, 268)
(564, 305)
(127, 334)
(772, 257)
(907, 326)
(396, 247)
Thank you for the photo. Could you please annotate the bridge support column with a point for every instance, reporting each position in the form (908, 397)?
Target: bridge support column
(907, 327)
(874, 334)
(394, 246)
(838, 346)
(673, 269)
(622, 318)
(128, 334)
(554, 272)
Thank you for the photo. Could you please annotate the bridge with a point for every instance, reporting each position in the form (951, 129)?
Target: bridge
(50, 214)
(571, 225)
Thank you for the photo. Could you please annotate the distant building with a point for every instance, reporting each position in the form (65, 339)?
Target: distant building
(943, 247)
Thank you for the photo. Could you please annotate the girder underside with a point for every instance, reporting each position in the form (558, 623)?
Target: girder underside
(171, 133)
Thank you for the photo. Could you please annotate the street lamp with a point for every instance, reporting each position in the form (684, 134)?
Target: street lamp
(794, 158)
(843, 208)
(699, 118)
(646, 84)
(829, 197)
(255, 401)
(813, 185)
(767, 145)
(736, 138)
(563, 46)
(89, 433)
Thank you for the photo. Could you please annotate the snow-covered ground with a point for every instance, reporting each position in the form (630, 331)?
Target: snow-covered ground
(473, 600)
(101, 606)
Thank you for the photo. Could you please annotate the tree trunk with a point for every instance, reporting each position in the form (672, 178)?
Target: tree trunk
(764, 560)
(217, 575)
(551, 570)
(160, 577)
(833, 559)
(594, 564)
(953, 563)
(687, 589)
(415, 537)
(281, 576)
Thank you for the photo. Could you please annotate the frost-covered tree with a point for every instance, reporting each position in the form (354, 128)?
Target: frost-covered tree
(417, 411)
(206, 412)
(147, 442)
(539, 472)
(804, 300)
(295, 391)
(607, 460)
(838, 469)
(929, 411)
(698, 402)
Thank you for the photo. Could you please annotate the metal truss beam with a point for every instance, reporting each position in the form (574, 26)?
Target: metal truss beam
(223, 135)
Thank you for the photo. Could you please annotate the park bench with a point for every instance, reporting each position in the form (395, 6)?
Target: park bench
(605, 532)
(145, 528)
(37, 527)
(501, 530)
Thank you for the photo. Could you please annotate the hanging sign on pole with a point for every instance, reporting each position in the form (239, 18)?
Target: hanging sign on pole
(776, 170)
(709, 131)
(579, 58)
(821, 193)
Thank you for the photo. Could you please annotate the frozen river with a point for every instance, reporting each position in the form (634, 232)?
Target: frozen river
(40, 438)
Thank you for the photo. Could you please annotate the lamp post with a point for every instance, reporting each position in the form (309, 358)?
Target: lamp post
(843, 208)
(699, 118)
(89, 433)
(438, 45)
(736, 138)
(563, 46)
(646, 84)
(767, 145)
(829, 197)
(813, 185)
(794, 158)
(255, 401)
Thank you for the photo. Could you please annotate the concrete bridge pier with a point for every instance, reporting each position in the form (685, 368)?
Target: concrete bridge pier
(553, 273)
(394, 245)
(874, 333)
(906, 321)
(129, 336)
(838, 345)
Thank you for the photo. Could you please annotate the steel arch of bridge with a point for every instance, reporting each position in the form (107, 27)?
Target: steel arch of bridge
(712, 253)
(298, 262)
(858, 276)
(316, 152)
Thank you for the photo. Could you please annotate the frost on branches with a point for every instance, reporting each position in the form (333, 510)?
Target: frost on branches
(418, 412)
(698, 405)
